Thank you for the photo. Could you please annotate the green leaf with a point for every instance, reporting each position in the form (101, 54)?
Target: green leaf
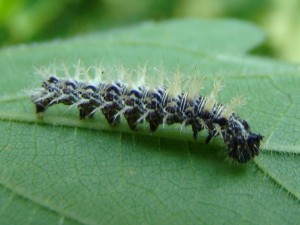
(61, 170)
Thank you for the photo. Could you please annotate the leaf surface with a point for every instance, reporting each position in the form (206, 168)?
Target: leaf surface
(65, 171)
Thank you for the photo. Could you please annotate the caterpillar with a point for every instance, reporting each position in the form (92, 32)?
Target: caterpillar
(143, 101)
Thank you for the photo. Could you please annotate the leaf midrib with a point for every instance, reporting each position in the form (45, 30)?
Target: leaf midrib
(159, 135)
(275, 179)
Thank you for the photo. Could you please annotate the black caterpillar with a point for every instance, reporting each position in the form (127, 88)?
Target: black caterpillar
(155, 105)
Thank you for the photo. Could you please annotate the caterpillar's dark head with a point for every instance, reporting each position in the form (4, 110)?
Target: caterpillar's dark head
(242, 143)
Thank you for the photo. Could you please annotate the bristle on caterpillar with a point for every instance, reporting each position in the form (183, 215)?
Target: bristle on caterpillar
(141, 100)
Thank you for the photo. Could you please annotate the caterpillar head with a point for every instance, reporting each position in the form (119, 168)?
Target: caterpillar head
(242, 143)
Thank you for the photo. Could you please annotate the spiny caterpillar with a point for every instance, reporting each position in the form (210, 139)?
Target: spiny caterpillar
(144, 101)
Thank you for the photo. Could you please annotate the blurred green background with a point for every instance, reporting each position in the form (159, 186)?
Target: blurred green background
(23, 21)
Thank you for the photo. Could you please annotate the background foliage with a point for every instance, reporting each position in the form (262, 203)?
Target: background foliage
(27, 20)
(65, 171)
